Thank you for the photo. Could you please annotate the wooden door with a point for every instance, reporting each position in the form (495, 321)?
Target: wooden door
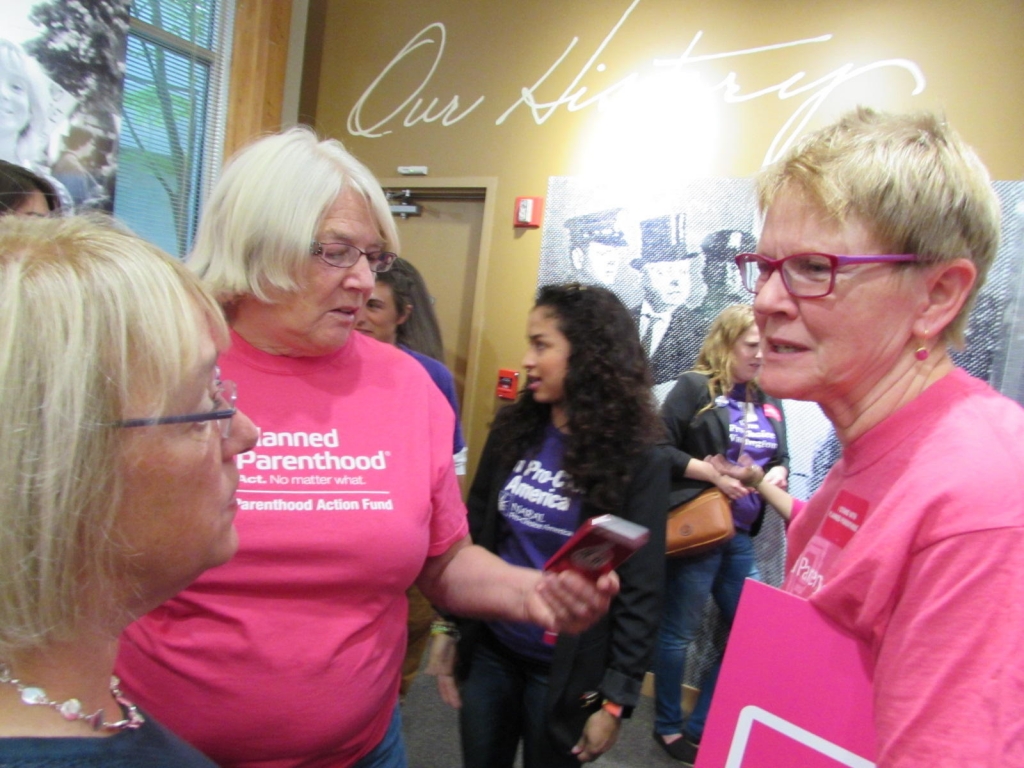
(443, 243)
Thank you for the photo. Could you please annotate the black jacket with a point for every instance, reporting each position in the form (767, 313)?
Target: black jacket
(611, 658)
(679, 346)
(692, 434)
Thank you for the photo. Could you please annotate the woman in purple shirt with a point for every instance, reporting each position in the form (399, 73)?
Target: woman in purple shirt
(717, 408)
(580, 441)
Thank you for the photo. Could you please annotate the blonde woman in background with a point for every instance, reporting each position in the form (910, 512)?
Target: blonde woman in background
(717, 408)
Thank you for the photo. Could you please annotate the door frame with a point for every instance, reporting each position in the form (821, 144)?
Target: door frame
(475, 391)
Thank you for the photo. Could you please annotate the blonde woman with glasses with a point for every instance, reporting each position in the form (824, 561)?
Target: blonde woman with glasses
(117, 479)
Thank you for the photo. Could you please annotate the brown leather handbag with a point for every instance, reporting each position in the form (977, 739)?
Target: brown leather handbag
(699, 525)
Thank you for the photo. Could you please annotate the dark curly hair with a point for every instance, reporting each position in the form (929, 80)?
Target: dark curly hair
(612, 415)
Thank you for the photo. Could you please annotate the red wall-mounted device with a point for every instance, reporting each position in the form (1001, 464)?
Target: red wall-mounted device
(528, 212)
(508, 384)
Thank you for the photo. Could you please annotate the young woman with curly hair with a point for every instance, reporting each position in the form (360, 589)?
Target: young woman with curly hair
(717, 408)
(579, 442)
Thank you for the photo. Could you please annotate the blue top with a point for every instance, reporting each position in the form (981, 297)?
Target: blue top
(446, 383)
(149, 746)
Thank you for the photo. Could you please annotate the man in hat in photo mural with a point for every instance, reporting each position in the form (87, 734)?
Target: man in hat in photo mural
(600, 244)
(670, 332)
(720, 272)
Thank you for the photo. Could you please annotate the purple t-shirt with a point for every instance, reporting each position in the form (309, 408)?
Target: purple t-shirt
(539, 511)
(750, 432)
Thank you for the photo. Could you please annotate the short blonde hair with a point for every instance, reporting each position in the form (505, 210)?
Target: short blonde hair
(257, 226)
(910, 178)
(717, 356)
(98, 326)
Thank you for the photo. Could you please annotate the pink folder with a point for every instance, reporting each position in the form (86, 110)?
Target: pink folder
(794, 690)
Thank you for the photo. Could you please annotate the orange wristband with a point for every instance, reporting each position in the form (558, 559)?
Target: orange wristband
(613, 709)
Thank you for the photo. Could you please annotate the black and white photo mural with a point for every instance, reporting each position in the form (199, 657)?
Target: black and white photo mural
(61, 80)
(670, 260)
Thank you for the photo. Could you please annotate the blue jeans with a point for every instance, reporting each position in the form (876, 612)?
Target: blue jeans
(504, 700)
(688, 584)
(390, 753)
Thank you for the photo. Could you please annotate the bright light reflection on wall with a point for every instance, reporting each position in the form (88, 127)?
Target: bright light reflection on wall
(653, 133)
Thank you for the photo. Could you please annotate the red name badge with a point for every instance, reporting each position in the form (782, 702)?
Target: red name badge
(844, 518)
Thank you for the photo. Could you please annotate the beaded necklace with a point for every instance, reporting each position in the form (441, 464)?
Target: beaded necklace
(71, 709)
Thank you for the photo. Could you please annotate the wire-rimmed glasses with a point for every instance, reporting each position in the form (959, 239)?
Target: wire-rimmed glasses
(805, 275)
(224, 396)
(343, 255)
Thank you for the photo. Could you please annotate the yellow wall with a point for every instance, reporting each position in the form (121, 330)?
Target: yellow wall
(971, 57)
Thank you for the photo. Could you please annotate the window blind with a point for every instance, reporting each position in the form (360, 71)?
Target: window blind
(173, 116)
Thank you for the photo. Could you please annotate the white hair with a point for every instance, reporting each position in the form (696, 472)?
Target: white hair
(264, 212)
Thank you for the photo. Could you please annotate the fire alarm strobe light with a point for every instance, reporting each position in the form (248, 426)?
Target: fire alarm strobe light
(528, 211)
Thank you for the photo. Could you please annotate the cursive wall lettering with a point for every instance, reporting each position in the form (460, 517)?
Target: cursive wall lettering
(575, 96)
(449, 115)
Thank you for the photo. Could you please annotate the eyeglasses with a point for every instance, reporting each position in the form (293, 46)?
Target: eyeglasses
(344, 255)
(805, 275)
(224, 396)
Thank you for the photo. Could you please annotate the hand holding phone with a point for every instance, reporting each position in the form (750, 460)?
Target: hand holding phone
(600, 545)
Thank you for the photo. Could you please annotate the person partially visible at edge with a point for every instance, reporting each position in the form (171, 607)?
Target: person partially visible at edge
(878, 232)
(117, 479)
(400, 312)
(26, 193)
(717, 408)
(24, 120)
(580, 441)
(291, 654)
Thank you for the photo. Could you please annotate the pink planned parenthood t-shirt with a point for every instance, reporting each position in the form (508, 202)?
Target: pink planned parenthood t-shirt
(915, 544)
(291, 653)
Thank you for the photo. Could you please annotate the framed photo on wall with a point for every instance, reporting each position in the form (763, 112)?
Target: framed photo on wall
(64, 64)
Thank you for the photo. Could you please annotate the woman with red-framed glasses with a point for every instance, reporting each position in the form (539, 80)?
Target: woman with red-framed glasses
(878, 233)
